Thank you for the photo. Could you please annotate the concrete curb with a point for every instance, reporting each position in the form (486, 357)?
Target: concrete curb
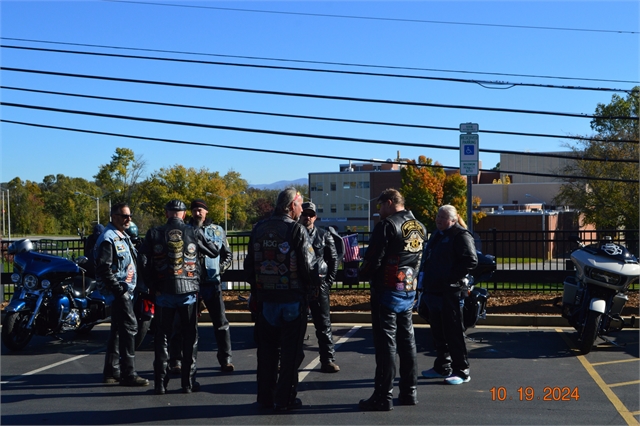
(491, 320)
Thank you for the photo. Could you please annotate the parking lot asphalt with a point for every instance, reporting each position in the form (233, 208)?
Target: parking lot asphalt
(519, 375)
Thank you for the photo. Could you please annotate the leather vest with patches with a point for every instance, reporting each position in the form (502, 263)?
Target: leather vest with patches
(402, 259)
(174, 253)
(275, 261)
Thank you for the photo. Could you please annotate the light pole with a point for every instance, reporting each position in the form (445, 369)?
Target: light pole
(368, 210)
(226, 199)
(97, 203)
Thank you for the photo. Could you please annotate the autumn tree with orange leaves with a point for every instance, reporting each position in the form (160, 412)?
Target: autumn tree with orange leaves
(426, 186)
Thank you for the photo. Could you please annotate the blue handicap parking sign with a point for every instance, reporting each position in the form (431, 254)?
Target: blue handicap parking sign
(469, 149)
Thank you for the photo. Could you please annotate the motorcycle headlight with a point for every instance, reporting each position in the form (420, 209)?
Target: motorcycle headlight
(46, 284)
(603, 276)
(15, 278)
(30, 281)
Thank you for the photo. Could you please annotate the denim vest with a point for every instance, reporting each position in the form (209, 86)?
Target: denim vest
(123, 265)
(216, 234)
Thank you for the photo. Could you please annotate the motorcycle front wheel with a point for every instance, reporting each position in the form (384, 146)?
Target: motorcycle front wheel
(15, 334)
(590, 331)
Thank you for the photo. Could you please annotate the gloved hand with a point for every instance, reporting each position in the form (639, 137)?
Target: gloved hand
(120, 290)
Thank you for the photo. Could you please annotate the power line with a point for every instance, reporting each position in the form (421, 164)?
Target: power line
(294, 134)
(373, 18)
(261, 58)
(270, 151)
(501, 84)
(308, 117)
(314, 96)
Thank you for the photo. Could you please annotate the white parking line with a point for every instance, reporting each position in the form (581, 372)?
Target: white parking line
(314, 363)
(46, 367)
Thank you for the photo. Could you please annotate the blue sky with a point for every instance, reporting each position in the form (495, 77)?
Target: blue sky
(574, 40)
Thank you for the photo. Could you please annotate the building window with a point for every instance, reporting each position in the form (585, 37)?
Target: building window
(349, 185)
(333, 208)
(319, 186)
(363, 185)
(319, 208)
(313, 187)
(333, 186)
(350, 207)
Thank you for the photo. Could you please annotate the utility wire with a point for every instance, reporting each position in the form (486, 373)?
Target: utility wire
(482, 83)
(308, 117)
(293, 134)
(261, 58)
(314, 96)
(373, 18)
(331, 157)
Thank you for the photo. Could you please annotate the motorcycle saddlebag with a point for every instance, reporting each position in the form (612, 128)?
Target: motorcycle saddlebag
(475, 307)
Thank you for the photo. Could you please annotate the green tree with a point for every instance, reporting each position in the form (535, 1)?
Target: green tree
(71, 202)
(118, 180)
(607, 204)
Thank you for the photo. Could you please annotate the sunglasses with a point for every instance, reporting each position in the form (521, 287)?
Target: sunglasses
(124, 216)
(308, 214)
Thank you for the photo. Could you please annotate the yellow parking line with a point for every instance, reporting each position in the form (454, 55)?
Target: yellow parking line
(613, 385)
(617, 404)
(616, 362)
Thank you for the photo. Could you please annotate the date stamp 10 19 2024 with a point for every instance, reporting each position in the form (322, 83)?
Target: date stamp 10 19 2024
(549, 393)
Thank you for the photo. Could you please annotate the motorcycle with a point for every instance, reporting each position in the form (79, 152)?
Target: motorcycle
(593, 299)
(54, 295)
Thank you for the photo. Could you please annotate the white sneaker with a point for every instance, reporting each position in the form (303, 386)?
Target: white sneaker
(455, 380)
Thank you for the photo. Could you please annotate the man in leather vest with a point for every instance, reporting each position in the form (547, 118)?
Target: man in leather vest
(391, 266)
(210, 290)
(279, 266)
(116, 274)
(319, 303)
(173, 274)
(448, 257)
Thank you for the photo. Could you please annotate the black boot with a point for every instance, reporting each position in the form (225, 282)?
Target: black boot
(408, 397)
(377, 403)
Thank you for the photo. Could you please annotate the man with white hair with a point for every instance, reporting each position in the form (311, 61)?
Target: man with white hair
(448, 257)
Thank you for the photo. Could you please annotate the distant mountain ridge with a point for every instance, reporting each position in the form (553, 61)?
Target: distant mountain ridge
(281, 184)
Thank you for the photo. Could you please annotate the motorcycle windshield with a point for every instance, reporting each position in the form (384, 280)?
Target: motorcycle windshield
(612, 250)
(40, 263)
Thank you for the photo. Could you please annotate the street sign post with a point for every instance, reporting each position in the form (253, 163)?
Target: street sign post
(469, 147)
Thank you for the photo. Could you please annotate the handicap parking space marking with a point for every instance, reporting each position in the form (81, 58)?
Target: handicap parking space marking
(314, 363)
(628, 416)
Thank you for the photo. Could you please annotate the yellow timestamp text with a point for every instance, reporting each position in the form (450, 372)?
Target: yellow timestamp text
(549, 393)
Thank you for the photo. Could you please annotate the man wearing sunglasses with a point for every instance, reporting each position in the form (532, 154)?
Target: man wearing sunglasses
(116, 274)
(391, 266)
(327, 268)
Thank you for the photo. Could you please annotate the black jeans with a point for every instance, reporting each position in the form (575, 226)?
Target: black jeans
(188, 317)
(120, 357)
(445, 317)
(393, 334)
(279, 345)
(320, 313)
(212, 297)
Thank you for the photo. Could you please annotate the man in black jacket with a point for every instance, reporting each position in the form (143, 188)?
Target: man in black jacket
(210, 290)
(279, 267)
(319, 303)
(391, 266)
(173, 274)
(448, 257)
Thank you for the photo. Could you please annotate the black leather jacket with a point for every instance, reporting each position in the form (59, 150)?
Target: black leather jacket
(172, 252)
(392, 258)
(326, 256)
(279, 262)
(448, 257)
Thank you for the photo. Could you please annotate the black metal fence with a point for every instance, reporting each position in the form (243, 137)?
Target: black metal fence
(526, 260)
